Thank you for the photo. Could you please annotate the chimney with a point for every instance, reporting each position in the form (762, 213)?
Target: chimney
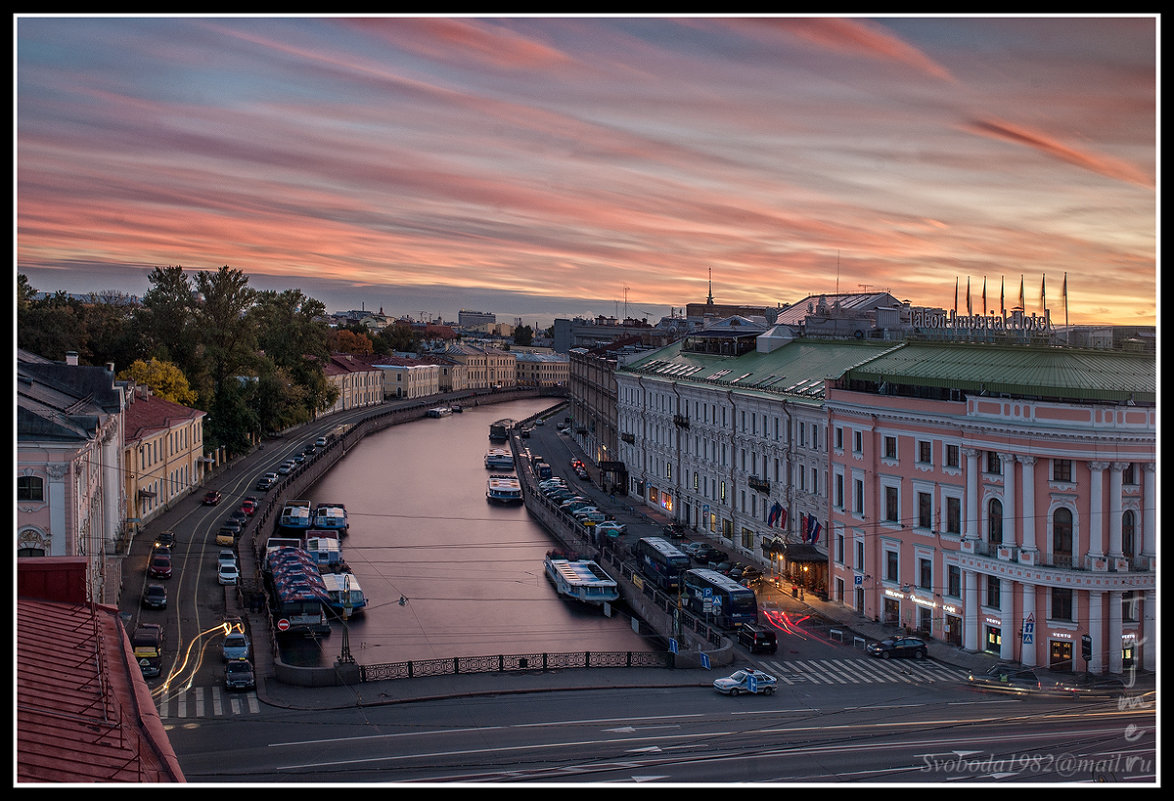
(71, 358)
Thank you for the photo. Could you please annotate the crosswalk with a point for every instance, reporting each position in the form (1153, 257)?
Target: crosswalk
(861, 671)
(206, 702)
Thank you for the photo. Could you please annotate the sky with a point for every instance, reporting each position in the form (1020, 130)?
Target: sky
(550, 166)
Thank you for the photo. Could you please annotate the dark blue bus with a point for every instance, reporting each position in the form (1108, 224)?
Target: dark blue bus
(661, 561)
(718, 598)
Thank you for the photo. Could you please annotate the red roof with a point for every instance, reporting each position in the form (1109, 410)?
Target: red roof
(149, 414)
(84, 712)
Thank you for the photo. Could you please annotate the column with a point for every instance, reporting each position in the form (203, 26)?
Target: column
(1029, 650)
(58, 495)
(971, 623)
(1149, 544)
(1096, 631)
(1096, 514)
(1007, 614)
(972, 500)
(1113, 644)
(1028, 552)
(1010, 536)
(1115, 511)
(1149, 630)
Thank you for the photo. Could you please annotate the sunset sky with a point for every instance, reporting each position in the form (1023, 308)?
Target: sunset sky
(561, 166)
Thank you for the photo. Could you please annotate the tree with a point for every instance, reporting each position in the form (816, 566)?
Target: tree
(345, 340)
(221, 315)
(164, 378)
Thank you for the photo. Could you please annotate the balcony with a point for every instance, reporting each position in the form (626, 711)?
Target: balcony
(758, 484)
(681, 420)
(1067, 569)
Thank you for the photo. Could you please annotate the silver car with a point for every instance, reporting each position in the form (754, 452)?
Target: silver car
(747, 681)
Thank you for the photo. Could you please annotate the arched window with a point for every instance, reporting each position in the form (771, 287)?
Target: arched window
(1062, 536)
(30, 488)
(1128, 534)
(994, 522)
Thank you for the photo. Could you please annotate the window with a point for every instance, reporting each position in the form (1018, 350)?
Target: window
(1129, 475)
(891, 566)
(992, 591)
(953, 515)
(1061, 603)
(925, 574)
(1062, 536)
(839, 438)
(953, 581)
(952, 456)
(838, 500)
(1062, 470)
(994, 464)
(857, 442)
(924, 510)
(924, 451)
(994, 521)
(30, 488)
(858, 493)
(1128, 534)
(890, 447)
(892, 507)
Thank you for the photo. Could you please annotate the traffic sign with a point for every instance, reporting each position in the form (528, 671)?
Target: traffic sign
(283, 625)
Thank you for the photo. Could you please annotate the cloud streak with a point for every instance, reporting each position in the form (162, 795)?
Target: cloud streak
(576, 157)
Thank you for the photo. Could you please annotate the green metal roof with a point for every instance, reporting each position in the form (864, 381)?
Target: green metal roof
(1032, 371)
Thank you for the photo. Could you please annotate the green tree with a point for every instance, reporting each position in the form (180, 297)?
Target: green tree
(166, 324)
(164, 378)
(228, 333)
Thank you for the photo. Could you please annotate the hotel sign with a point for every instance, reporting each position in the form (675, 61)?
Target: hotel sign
(1014, 320)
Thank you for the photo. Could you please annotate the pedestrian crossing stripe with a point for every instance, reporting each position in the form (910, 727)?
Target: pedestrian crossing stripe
(207, 702)
(860, 671)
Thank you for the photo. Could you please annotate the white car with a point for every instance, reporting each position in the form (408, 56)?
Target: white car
(225, 557)
(746, 681)
(235, 646)
(227, 574)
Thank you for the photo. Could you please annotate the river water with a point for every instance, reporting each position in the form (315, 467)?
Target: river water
(471, 572)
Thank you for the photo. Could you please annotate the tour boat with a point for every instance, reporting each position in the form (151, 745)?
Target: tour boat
(580, 580)
(499, 459)
(503, 489)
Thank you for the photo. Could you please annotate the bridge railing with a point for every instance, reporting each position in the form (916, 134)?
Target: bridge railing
(506, 663)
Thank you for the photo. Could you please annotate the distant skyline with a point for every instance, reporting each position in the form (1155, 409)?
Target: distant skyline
(562, 166)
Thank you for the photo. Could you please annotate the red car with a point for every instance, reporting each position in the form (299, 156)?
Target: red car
(249, 507)
(160, 566)
(212, 497)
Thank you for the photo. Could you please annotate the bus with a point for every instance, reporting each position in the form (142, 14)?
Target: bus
(718, 598)
(660, 561)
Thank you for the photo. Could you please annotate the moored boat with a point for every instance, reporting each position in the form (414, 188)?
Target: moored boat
(439, 411)
(503, 488)
(346, 596)
(499, 459)
(499, 431)
(331, 517)
(580, 580)
(295, 517)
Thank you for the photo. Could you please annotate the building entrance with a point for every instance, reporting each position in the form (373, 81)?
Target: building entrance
(1060, 655)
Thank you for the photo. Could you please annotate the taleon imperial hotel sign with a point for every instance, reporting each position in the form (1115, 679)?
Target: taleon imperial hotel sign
(1014, 320)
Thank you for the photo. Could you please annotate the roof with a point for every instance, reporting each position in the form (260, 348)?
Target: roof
(1033, 371)
(149, 414)
(84, 713)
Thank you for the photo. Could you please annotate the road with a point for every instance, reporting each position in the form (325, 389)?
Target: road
(945, 734)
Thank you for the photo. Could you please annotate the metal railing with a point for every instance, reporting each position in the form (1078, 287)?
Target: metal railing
(506, 663)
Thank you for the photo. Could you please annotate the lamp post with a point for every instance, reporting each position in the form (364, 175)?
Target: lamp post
(345, 656)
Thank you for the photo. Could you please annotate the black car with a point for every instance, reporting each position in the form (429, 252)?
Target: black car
(707, 555)
(165, 539)
(758, 639)
(899, 647)
(1007, 679)
(155, 597)
(238, 675)
(1092, 685)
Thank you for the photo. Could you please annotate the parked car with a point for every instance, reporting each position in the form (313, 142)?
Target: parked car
(285, 468)
(708, 555)
(611, 528)
(155, 597)
(225, 557)
(160, 565)
(212, 497)
(591, 518)
(1006, 678)
(227, 535)
(758, 638)
(249, 507)
(227, 574)
(746, 681)
(238, 675)
(266, 481)
(165, 539)
(235, 646)
(320, 442)
(898, 648)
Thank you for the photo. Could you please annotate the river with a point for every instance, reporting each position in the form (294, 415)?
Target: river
(470, 572)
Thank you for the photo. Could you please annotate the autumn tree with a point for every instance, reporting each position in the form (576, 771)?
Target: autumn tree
(164, 378)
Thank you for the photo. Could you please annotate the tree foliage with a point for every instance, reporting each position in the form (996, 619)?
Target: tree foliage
(164, 378)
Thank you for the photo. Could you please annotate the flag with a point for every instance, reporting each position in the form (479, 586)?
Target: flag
(803, 525)
(955, 295)
(1022, 300)
(984, 295)
(816, 527)
(777, 515)
(1043, 293)
(1064, 291)
(969, 310)
(1002, 295)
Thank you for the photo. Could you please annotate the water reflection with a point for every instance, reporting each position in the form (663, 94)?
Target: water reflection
(470, 571)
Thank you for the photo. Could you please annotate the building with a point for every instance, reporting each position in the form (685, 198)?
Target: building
(484, 367)
(405, 377)
(1001, 497)
(84, 714)
(536, 369)
(475, 320)
(359, 382)
(70, 497)
(583, 333)
(163, 454)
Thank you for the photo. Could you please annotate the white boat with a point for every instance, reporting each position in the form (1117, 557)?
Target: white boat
(344, 591)
(324, 547)
(581, 580)
(439, 411)
(499, 459)
(295, 517)
(331, 517)
(503, 489)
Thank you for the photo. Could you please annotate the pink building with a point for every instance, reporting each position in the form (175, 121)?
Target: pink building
(1000, 498)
